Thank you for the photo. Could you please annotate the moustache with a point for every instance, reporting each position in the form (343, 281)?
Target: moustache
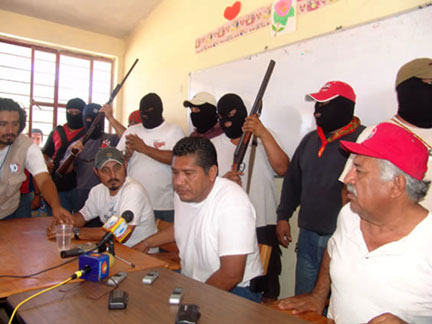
(352, 189)
(10, 134)
(113, 180)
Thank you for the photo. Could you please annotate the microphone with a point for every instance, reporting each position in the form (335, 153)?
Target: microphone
(95, 265)
(117, 227)
(79, 250)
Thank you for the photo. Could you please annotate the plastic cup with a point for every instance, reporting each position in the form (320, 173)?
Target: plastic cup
(63, 235)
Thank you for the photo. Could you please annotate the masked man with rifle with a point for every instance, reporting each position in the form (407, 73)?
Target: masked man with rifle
(257, 177)
(85, 154)
(148, 148)
(55, 147)
(312, 180)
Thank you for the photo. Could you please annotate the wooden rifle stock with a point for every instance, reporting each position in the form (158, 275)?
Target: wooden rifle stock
(62, 169)
(242, 146)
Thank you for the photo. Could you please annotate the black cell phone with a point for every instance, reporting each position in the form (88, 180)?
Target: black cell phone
(118, 299)
(188, 314)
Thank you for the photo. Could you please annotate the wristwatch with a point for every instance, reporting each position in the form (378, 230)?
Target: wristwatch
(76, 232)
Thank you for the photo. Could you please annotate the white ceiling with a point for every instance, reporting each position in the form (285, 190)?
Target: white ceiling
(115, 18)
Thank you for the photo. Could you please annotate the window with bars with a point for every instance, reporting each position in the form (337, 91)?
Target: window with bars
(43, 79)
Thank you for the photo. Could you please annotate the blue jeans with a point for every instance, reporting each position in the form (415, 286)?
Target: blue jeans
(310, 249)
(24, 210)
(246, 293)
(165, 215)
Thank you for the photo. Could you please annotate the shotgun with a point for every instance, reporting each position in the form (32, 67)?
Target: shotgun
(242, 146)
(62, 169)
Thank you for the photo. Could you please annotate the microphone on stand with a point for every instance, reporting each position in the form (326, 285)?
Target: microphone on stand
(117, 228)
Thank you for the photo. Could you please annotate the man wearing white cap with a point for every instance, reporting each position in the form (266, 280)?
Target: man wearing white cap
(203, 115)
(378, 262)
(311, 181)
(414, 93)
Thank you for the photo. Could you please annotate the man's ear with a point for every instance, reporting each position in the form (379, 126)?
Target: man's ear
(398, 186)
(213, 171)
(96, 172)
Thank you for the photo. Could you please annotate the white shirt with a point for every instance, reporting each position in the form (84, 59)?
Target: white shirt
(262, 191)
(34, 162)
(222, 224)
(153, 175)
(131, 196)
(423, 133)
(395, 278)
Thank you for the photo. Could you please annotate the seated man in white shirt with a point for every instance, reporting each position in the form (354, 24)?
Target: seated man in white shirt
(378, 262)
(116, 194)
(214, 223)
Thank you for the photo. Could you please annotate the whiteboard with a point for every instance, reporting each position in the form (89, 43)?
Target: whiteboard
(367, 57)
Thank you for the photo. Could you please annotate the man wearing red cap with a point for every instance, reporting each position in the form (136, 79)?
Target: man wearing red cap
(414, 94)
(311, 181)
(378, 262)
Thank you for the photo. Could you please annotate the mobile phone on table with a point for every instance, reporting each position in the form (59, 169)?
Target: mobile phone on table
(150, 277)
(188, 314)
(176, 296)
(118, 299)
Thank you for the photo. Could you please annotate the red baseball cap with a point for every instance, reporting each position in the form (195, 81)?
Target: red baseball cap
(393, 143)
(333, 89)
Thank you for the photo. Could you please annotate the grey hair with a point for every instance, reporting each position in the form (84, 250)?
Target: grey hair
(416, 189)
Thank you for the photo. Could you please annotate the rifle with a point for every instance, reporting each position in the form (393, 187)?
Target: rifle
(61, 170)
(242, 146)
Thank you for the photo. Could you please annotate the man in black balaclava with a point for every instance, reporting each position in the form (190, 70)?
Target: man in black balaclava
(55, 147)
(203, 115)
(312, 180)
(414, 114)
(258, 171)
(151, 111)
(84, 162)
(148, 148)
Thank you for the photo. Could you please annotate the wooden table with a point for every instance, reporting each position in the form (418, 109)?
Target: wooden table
(25, 249)
(74, 304)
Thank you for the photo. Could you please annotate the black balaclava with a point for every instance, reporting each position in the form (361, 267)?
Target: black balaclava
(90, 111)
(75, 121)
(205, 119)
(335, 114)
(415, 102)
(225, 105)
(153, 118)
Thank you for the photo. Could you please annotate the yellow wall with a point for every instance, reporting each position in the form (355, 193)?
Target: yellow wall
(165, 41)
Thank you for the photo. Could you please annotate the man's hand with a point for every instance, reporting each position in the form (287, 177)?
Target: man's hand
(234, 176)
(135, 143)
(283, 232)
(36, 202)
(62, 215)
(77, 147)
(253, 124)
(142, 247)
(107, 109)
(303, 303)
(386, 318)
(51, 233)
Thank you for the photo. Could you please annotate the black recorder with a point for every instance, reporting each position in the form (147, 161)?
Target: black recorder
(188, 314)
(118, 299)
